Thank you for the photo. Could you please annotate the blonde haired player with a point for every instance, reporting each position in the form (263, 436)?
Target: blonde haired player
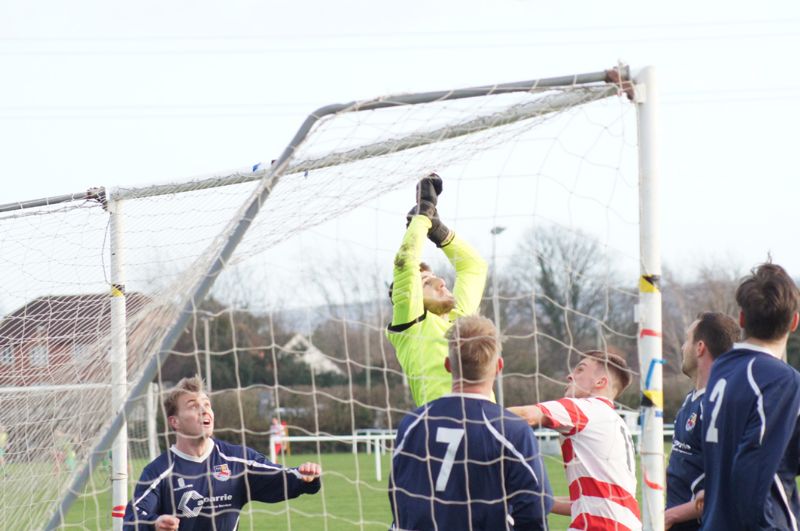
(595, 443)
(463, 462)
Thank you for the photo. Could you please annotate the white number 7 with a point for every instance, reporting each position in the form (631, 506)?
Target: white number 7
(451, 436)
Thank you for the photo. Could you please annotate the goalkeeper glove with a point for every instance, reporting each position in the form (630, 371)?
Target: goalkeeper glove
(423, 208)
(429, 189)
(439, 233)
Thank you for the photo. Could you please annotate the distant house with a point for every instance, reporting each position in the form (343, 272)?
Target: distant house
(311, 355)
(59, 339)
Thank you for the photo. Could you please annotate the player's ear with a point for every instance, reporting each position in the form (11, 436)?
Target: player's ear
(602, 382)
(700, 348)
(741, 319)
(173, 422)
(447, 365)
(795, 320)
(499, 365)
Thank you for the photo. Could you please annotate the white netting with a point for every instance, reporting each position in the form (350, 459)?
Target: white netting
(294, 325)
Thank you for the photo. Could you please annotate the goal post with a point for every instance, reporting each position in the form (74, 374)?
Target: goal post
(201, 273)
(650, 324)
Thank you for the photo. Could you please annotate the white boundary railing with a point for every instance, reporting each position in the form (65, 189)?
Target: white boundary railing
(377, 441)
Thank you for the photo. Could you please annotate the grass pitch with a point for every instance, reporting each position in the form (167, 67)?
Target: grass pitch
(351, 498)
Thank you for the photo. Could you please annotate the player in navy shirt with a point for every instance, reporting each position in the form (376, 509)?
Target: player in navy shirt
(710, 335)
(463, 462)
(202, 483)
(751, 441)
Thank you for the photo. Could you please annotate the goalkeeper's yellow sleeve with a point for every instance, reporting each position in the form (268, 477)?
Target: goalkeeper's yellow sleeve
(407, 290)
(471, 272)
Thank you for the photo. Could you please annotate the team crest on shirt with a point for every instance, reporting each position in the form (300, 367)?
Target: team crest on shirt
(691, 421)
(222, 472)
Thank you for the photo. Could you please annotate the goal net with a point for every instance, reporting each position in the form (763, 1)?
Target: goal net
(271, 283)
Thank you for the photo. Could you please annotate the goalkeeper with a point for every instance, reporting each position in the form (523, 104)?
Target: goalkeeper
(423, 309)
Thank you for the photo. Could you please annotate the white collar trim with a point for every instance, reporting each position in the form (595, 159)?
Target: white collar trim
(476, 396)
(758, 348)
(194, 458)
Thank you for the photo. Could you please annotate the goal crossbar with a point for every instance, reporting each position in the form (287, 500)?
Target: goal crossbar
(521, 112)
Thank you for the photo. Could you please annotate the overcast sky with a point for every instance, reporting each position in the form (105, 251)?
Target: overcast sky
(103, 93)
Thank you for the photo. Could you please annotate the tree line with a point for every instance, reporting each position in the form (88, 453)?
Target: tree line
(558, 294)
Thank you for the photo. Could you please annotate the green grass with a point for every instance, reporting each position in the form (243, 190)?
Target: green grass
(351, 498)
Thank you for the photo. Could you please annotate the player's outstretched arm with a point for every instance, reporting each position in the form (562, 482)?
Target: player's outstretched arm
(407, 303)
(471, 270)
(270, 482)
(562, 505)
(531, 414)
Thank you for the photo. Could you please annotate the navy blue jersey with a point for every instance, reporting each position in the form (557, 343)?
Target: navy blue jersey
(750, 442)
(207, 492)
(463, 462)
(685, 470)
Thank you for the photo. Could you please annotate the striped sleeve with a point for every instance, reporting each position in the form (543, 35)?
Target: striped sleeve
(564, 415)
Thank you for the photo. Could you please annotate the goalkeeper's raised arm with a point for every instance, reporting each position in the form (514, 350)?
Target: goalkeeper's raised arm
(423, 308)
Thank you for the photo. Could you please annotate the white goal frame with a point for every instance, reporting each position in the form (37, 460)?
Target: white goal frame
(640, 88)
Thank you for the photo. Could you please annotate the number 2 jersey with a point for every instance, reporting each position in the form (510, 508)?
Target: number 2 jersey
(598, 456)
(207, 492)
(751, 442)
(463, 462)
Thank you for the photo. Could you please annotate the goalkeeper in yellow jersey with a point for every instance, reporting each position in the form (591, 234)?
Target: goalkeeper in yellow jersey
(423, 309)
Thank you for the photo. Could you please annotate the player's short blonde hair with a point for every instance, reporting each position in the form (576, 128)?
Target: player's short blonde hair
(186, 385)
(472, 348)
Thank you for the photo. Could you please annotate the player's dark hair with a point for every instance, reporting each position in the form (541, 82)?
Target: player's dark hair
(615, 365)
(186, 385)
(422, 267)
(768, 298)
(472, 346)
(717, 330)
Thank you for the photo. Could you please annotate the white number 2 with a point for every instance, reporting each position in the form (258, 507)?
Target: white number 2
(451, 436)
(717, 395)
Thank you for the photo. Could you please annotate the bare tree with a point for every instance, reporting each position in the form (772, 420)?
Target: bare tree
(561, 294)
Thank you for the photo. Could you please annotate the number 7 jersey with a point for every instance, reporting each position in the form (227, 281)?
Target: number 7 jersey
(463, 462)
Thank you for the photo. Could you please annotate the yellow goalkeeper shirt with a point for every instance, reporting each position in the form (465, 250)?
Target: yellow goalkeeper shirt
(418, 336)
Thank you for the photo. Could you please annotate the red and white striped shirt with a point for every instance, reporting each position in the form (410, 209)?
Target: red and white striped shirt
(598, 457)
